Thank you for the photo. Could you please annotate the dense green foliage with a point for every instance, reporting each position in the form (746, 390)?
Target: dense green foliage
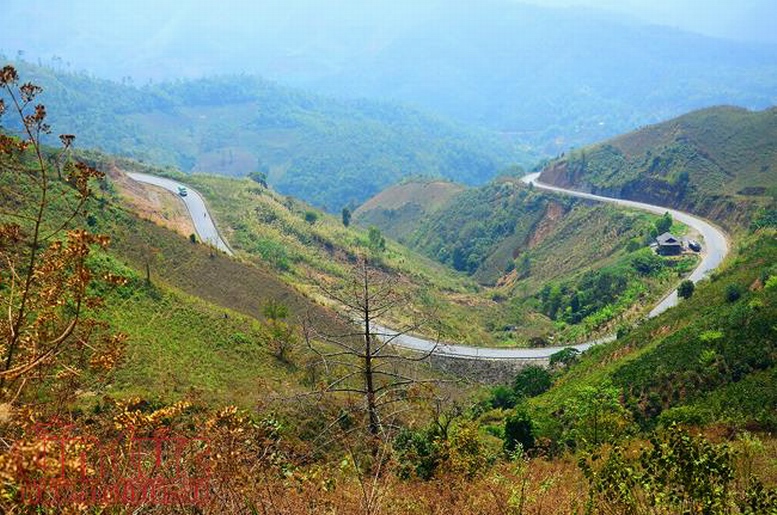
(518, 431)
(328, 152)
(612, 288)
(765, 218)
(679, 473)
(685, 290)
(466, 233)
(720, 162)
(531, 381)
(678, 368)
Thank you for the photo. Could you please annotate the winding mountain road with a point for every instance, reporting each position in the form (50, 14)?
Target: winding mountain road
(202, 220)
(715, 245)
(715, 248)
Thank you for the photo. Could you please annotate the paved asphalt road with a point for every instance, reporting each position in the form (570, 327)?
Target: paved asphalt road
(203, 223)
(715, 244)
(480, 353)
(715, 247)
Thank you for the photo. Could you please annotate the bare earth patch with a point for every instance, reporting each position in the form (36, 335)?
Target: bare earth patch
(153, 203)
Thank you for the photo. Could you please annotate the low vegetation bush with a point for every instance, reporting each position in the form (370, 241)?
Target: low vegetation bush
(677, 473)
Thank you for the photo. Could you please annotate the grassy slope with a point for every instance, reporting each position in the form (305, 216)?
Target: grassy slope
(181, 346)
(515, 240)
(719, 162)
(269, 231)
(200, 272)
(195, 330)
(709, 359)
(397, 210)
(198, 331)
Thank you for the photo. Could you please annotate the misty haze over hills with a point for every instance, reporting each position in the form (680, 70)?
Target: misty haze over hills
(283, 256)
(552, 77)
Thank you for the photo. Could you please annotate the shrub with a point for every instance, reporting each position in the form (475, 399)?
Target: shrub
(686, 289)
(566, 356)
(532, 381)
(664, 223)
(733, 292)
(376, 243)
(502, 397)
(679, 473)
(519, 430)
(594, 415)
(259, 178)
(646, 262)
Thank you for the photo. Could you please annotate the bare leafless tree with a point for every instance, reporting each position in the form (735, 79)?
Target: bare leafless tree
(365, 362)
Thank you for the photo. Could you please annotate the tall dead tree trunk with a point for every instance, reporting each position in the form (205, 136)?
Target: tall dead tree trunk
(364, 362)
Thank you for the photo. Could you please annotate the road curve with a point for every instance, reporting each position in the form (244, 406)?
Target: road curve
(203, 221)
(716, 247)
(479, 353)
(715, 244)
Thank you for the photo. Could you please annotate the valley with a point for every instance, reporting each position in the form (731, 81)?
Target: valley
(715, 245)
(385, 258)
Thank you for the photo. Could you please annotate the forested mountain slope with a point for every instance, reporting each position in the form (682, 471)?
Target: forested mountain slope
(709, 360)
(719, 162)
(328, 152)
(552, 77)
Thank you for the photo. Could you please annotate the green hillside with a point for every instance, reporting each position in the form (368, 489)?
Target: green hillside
(719, 162)
(399, 209)
(152, 359)
(720, 342)
(555, 266)
(193, 331)
(710, 360)
(328, 152)
(302, 247)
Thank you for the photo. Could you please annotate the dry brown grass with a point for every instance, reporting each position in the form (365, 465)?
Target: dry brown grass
(152, 203)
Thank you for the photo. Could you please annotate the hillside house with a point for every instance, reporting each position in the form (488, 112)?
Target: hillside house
(669, 245)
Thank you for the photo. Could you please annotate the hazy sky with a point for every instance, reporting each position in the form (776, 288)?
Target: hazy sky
(753, 20)
(747, 20)
(147, 38)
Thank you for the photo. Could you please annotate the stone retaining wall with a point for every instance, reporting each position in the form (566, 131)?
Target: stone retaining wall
(482, 371)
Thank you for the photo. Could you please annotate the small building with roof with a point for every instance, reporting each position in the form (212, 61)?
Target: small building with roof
(669, 245)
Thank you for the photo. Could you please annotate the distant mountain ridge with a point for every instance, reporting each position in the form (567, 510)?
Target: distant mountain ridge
(554, 78)
(328, 152)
